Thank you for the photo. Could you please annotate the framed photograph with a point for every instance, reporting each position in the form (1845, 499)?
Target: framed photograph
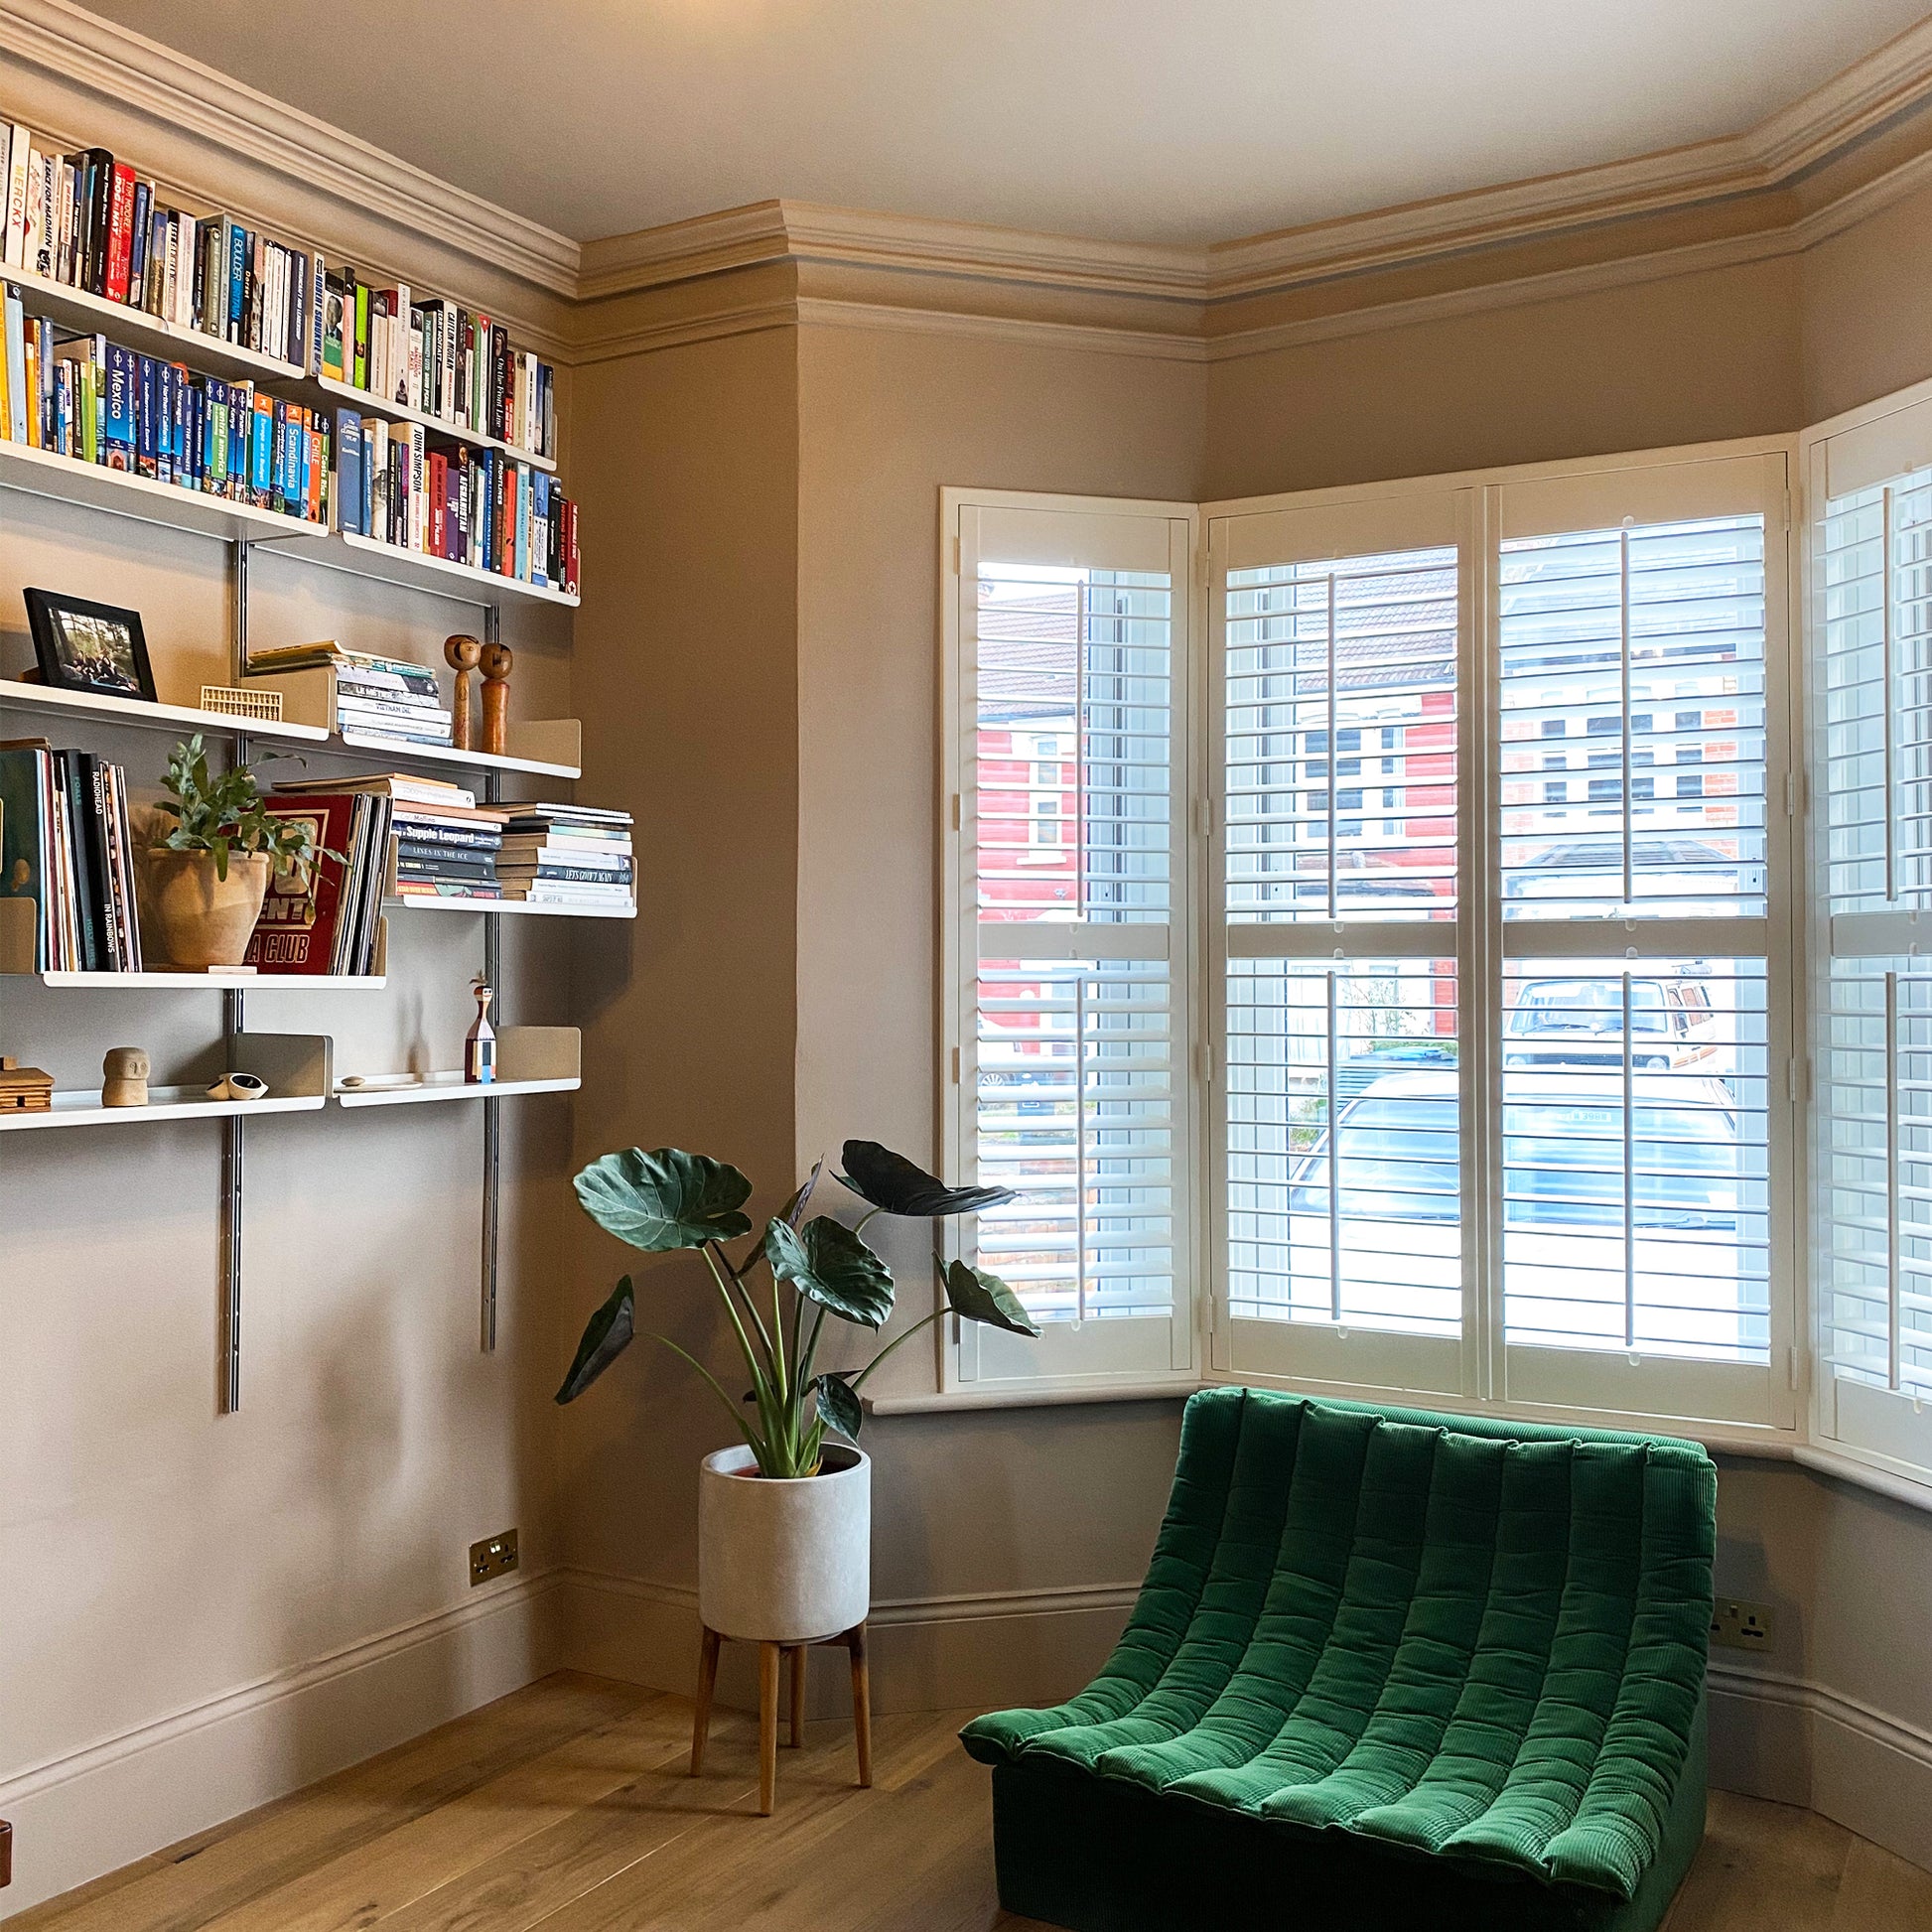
(84, 646)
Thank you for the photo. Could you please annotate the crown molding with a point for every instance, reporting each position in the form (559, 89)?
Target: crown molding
(81, 49)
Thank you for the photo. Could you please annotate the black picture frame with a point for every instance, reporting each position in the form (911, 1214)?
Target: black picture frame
(81, 645)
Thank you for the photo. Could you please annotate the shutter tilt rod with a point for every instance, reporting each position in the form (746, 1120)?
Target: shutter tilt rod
(234, 1021)
(493, 1121)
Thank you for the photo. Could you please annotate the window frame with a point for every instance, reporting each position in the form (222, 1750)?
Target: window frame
(1085, 1359)
(1202, 930)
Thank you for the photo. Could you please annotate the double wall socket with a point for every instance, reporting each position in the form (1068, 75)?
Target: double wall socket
(495, 1556)
(1739, 1626)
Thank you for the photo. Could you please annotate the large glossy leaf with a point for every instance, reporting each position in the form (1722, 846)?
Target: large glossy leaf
(838, 1407)
(975, 1296)
(829, 1264)
(607, 1334)
(793, 1210)
(890, 1182)
(665, 1199)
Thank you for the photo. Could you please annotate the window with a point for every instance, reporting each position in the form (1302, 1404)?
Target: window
(1483, 1096)
(1496, 1119)
(1871, 1004)
(1068, 983)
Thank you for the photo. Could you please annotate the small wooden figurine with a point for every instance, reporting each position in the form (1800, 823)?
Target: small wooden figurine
(497, 661)
(462, 654)
(24, 1089)
(124, 1078)
(480, 1050)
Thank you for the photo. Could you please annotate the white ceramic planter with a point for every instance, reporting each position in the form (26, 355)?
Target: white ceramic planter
(785, 1562)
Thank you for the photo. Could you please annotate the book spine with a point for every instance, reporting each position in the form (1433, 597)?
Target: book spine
(37, 256)
(418, 490)
(140, 221)
(120, 232)
(360, 310)
(101, 211)
(19, 145)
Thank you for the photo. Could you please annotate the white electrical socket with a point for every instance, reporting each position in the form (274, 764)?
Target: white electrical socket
(1739, 1626)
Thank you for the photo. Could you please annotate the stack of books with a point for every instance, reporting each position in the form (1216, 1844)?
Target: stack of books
(568, 855)
(444, 844)
(378, 699)
(82, 395)
(93, 223)
(66, 845)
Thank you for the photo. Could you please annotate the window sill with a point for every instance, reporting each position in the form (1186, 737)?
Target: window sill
(937, 1402)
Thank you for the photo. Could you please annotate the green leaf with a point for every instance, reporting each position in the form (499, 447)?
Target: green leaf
(975, 1296)
(665, 1199)
(830, 1265)
(838, 1407)
(607, 1334)
(890, 1182)
(793, 1210)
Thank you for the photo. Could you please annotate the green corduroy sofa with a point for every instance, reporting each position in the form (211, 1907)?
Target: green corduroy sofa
(1388, 1669)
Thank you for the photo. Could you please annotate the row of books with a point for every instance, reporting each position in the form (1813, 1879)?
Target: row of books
(66, 844)
(445, 844)
(82, 396)
(378, 699)
(439, 358)
(472, 506)
(95, 223)
(75, 392)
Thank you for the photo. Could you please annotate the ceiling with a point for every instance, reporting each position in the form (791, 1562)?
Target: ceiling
(1137, 121)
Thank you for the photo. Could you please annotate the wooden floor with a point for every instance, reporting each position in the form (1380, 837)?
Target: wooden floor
(565, 1808)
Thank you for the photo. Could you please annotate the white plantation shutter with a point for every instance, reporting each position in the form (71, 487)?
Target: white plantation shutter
(1637, 1012)
(1339, 1171)
(1069, 940)
(1497, 998)
(1872, 569)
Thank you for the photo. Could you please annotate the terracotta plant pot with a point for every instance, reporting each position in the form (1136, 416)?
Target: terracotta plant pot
(785, 1560)
(197, 917)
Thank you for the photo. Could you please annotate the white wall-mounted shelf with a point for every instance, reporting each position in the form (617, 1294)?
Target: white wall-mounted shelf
(46, 473)
(173, 718)
(389, 563)
(541, 748)
(19, 919)
(456, 902)
(296, 1067)
(136, 329)
(332, 394)
(530, 1059)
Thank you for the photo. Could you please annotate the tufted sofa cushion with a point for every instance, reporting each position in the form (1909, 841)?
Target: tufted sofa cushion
(1482, 1643)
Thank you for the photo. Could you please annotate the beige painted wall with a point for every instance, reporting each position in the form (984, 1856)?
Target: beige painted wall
(1866, 299)
(1684, 359)
(685, 670)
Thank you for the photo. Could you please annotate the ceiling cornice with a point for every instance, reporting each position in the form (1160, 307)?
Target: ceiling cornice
(80, 48)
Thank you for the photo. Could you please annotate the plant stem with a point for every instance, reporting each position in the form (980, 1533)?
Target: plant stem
(731, 1409)
(759, 1376)
(896, 1342)
(727, 1280)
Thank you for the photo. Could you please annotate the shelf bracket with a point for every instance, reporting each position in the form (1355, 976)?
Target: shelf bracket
(235, 1019)
(492, 1108)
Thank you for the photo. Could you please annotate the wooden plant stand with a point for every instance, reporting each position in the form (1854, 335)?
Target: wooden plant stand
(852, 1641)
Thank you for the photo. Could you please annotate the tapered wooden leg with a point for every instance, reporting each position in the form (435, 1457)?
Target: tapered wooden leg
(855, 1641)
(797, 1696)
(768, 1654)
(706, 1682)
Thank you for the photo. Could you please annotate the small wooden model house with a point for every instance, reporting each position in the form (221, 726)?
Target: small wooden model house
(24, 1089)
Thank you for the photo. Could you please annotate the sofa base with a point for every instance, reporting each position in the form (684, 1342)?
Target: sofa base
(1098, 1855)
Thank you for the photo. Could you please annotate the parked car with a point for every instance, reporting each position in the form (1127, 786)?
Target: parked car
(1580, 1022)
(1697, 1209)
(1708, 880)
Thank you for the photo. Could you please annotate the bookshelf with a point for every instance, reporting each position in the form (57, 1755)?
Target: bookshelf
(297, 1067)
(531, 1060)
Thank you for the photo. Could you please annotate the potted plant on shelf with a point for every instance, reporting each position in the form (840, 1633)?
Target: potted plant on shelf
(204, 875)
(784, 1518)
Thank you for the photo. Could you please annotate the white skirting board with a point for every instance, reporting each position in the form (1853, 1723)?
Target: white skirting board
(1770, 1736)
(123, 1797)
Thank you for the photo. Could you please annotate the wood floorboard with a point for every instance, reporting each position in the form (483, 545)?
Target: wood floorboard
(565, 1808)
